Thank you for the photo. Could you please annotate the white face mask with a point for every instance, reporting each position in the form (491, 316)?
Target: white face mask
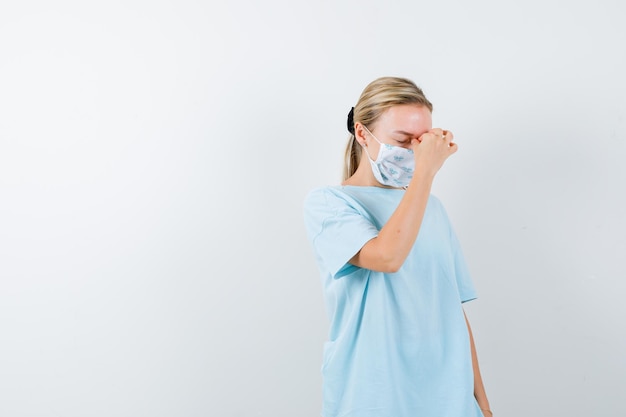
(394, 165)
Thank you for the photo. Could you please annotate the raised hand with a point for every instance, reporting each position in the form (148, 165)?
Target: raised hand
(432, 149)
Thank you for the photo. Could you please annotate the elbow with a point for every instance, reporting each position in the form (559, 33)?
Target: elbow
(391, 265)
(393, 268)
(380, 258)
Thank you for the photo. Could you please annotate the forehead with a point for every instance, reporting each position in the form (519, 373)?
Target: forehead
(406, 117)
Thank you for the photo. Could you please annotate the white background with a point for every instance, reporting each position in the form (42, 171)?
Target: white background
(154, 157)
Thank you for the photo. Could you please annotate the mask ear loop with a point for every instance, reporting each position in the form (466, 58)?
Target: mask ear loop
(375, 138)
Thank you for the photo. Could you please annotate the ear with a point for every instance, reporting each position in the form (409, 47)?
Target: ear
(359, 133)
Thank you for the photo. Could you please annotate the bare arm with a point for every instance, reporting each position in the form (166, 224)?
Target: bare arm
(388, 251)
(479, 388)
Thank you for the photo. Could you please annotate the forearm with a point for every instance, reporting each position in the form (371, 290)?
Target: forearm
(479, 388)
(388, 251)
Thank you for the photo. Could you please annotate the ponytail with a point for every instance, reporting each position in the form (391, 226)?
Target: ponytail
(352, 157)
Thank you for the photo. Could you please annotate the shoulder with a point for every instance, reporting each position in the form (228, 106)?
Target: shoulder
(332, 212)
(332, 202)
(329, 195)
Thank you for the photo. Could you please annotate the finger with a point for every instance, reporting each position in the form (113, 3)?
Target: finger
(453, 147)
(430, 135)
(437, 132)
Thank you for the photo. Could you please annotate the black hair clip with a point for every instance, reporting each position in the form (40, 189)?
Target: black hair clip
(351, 121)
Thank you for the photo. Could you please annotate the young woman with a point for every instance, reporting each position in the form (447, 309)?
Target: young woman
(393, 274)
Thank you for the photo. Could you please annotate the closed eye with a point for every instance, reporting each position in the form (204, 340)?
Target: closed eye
(403, 137)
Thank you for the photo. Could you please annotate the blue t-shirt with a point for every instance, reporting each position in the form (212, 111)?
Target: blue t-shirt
(398, 343)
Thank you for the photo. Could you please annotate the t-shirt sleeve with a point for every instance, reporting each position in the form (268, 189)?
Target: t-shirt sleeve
(336, 228)
(467, 292)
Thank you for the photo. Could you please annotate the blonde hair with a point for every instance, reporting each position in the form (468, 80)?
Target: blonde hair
(376, 98)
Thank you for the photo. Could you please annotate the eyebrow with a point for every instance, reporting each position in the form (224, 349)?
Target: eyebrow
(402, 132)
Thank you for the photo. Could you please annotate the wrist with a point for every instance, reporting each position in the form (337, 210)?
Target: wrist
(422, 178)
(424, 172)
